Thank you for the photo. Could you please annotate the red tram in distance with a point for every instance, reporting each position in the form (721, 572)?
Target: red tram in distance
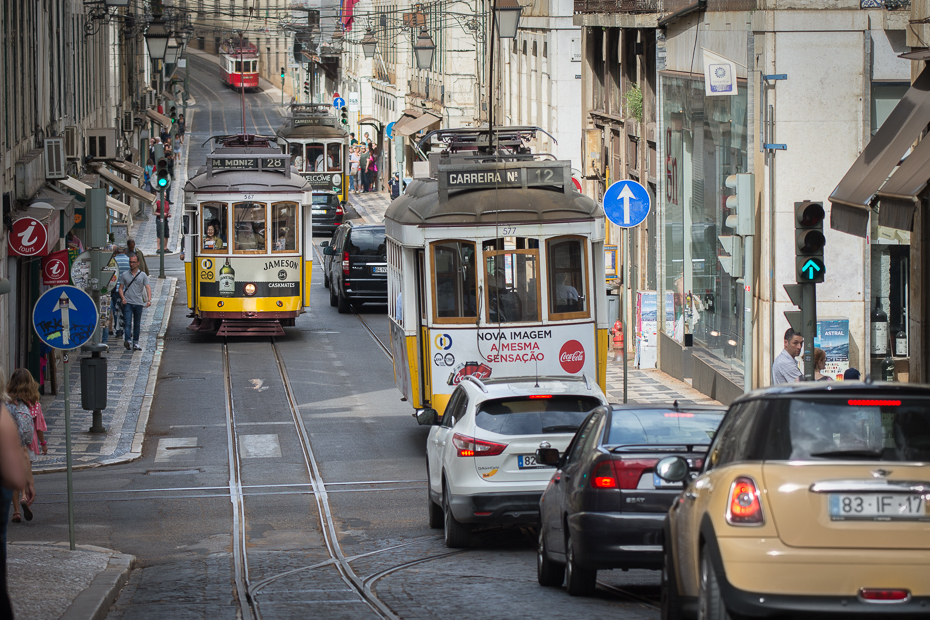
(239, 63)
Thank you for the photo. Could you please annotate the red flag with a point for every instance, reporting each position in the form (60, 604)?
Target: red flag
(348, 6)
(55, 269)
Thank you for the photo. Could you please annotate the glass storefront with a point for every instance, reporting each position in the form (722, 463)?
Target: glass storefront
(705, 141)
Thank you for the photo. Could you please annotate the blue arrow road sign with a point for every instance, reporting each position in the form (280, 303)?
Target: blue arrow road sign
(339, 102)
(626, 203)
(65, 317)
(811, 266)
(389, 130)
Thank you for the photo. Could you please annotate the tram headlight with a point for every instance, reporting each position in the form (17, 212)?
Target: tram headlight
(249, 289)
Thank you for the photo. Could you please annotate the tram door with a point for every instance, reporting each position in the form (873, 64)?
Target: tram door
(423, 329)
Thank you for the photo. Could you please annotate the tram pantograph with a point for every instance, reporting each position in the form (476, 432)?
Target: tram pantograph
(248, 239)
(499, 259)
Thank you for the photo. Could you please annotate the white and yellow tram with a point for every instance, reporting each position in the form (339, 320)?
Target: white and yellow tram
(319, 147)
(248, 239)
(494, 263)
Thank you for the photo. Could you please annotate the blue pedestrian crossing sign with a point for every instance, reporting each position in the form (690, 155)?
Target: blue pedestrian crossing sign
(626, 203)
(65, 317)
(339, 103)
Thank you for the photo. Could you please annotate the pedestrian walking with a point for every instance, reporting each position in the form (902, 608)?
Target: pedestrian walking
(132, 249)
(182, 127)
(362, 171)
(23, 395)
(353, 168)
(164, 135)
(395, 186)
(120, 261)
(161, 225)
(785, 368)
(352, 140)
(147, 176)
(136, 294)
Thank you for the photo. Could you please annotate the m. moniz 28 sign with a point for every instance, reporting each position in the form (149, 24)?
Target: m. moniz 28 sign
(219, 164)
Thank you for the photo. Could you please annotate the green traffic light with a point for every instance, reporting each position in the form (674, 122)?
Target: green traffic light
(162, 182)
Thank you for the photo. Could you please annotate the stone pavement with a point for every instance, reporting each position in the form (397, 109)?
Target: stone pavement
(651, 386)
(370, 205)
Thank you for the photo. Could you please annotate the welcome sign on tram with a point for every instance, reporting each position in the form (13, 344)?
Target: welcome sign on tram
(551, 350)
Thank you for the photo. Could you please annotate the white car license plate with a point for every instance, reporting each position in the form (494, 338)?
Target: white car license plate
(877, 506)
(528, 461)
(379, 269)
(317, 211)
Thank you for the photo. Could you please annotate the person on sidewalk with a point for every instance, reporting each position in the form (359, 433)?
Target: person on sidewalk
(131, 249)
(785, 368)
(353, 168)
(372, 183)
(136, 294)
(820, 364)
(162, 225)
(352, 140)
(395, 186)
(182, 127)
(121, 262)
(361, 186)
(23, 394)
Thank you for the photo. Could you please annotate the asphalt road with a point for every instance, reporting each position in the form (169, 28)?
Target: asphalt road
(263, 461)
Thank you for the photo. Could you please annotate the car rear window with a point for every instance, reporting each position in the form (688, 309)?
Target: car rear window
(366, 242)
(330, 200)
(662, 426)
(858, 427)
(535, 416)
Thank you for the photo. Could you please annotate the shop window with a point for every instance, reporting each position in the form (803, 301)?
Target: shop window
(566, 261)
(454, 282)
(213, 226)
(334, 157)
(315, 157)
(284, 227)
(512, 279)
(885, 96)
(249, 227)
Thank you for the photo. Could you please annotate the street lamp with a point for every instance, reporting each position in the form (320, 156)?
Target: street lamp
(172, 52)
(116, 3)
(369, 44)
(183, 38)
(156, 39)
(507, 18)
(424, 49)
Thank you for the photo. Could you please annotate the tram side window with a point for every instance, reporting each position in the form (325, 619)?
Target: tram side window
(238, 66)
(566, 260)
(315, 157)
(297, 156)
(249, 227)
(334, 157)
(512, 280)
(454, 281)
(214, 216)
(284, 227)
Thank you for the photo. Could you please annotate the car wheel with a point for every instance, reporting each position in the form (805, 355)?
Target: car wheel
(548, 573)
(579, 581)
(435, 511)
(343, 303)
(710, 602)
(332, 294)
(671, 603)
(457, 535)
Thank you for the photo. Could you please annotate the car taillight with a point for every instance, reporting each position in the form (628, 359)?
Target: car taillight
(345, 263)
(339, 210)
(620, 473)
(743, 506)
(881, 595)
(469, 446)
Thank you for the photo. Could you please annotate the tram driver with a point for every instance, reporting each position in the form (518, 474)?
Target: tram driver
(567, 298)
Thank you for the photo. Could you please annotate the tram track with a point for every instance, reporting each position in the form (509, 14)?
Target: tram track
(384, 348)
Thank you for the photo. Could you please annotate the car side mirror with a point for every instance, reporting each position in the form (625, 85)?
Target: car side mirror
(323, 244)
(327, 250)
(427, 417)
(548, 456)
(672, 469)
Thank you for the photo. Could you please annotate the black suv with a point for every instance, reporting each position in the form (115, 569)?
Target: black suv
(327, 213)
(355, 266)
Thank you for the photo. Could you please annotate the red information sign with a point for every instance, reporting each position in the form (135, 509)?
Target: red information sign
(28, 237)
(55, 269)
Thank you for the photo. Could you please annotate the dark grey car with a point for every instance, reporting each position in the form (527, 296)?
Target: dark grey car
(355, 266)
(327, 213)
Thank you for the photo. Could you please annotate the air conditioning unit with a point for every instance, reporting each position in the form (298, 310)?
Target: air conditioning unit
(101, 143)
(127, 122)
(72, 144)
(150, 99)
(55, 162)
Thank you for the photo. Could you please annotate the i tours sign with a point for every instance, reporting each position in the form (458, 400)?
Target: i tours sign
(28, 237)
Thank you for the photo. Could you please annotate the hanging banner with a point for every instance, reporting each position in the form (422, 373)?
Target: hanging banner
(55, 269)
(719, 75)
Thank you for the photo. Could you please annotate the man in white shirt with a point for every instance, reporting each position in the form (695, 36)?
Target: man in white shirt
(353, 168)
(785, 368)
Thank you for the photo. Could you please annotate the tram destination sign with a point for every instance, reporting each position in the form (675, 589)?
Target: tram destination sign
(277, 162)
(504, 177)
(311, 121)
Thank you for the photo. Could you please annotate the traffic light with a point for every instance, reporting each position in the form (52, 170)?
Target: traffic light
(808, 217)
(282, 74)
(162, 174)
(742, 217)
(307, 88)
(344, 116)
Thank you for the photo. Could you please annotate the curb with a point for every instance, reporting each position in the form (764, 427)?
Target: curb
(95, 601)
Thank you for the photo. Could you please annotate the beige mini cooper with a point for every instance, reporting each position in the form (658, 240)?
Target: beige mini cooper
(812, 500)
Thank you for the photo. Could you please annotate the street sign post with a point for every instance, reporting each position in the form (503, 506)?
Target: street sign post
(65, 317)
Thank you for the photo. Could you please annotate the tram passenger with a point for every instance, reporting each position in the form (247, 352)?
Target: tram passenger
(212, 241)
(566, 295)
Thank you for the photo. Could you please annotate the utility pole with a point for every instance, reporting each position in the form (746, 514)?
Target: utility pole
(94, 368)
(162, 182)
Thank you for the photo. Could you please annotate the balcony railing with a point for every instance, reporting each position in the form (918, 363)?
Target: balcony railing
(665, 6)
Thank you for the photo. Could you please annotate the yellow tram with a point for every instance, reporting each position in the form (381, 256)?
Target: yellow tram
(494, 266)
(319, 147)
(248, 236)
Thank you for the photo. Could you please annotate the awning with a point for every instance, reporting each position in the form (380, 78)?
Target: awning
(128, 167)
(898, 197)
(125, 186)
(369, 120)
(161, 119)
(414, 120)
(851, 200)
(63, 202)
(81, 188)
(169, 96)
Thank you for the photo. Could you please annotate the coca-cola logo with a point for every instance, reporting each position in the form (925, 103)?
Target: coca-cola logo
(571, 357)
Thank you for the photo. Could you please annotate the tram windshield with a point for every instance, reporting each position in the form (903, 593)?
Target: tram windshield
(213, 226)
(512, 279)
(249, 227)
(315, 157)
(284, 227)
(455, 280)
(566, 261)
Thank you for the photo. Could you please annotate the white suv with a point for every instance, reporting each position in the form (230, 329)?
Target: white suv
(481, 455)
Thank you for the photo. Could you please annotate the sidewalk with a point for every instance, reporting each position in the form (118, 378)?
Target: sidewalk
(651, 386)
(370, 206)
